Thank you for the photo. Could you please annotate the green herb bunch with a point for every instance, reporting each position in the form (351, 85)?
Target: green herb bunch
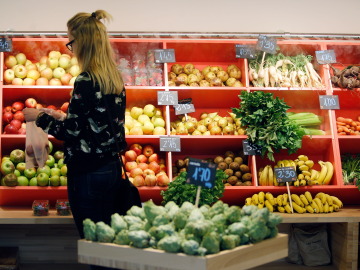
(267, 124)
(351, 169)
(179, 191)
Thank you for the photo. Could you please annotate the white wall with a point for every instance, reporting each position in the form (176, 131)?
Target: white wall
(294, 16)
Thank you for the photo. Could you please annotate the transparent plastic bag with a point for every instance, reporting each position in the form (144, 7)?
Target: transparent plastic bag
(37, 146)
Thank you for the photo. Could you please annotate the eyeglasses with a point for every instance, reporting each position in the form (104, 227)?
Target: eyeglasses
(69, 45)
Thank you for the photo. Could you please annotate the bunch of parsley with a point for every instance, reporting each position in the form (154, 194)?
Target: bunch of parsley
(267, 124)
(179, 191)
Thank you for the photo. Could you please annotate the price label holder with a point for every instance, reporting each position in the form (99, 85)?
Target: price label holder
(164, 56)
(329, 102)
(170, 143)
(245, 51)
(266, 44)
(325, 57)
(5, 44)
(167, 97)
(251, 149)
(286, 175)
(184, 108)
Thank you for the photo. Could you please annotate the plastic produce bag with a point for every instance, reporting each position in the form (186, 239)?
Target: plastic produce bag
(37, 146)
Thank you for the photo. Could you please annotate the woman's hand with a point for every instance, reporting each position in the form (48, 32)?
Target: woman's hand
(30, 114)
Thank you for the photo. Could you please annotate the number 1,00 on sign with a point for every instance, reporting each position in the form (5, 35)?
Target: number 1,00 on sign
(202, 174)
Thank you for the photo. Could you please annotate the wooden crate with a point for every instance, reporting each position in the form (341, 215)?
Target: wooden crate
(125, 257)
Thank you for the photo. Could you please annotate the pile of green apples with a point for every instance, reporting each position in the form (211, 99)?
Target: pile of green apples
(14, 172)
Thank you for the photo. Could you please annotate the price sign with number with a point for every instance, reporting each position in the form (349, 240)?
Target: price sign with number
(251, 149)
(285, 174)
(184, 108)
(167, 97)
(325, 57)
(329, 102)
(201, 173)
(170, 144)
(245, 51)
(164, 56)
(266, 44)
(5, 45)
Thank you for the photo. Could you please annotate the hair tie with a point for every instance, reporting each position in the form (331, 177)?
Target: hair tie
(93, 15)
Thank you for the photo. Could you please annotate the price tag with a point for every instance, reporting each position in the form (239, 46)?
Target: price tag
(251, 149)
(164, 56)
(285, 174)
(170, 144)
(329, 102)
(184, 108)
(5, 45)
(266, 44)
(245, 51)
(167, 97)
(201, 173)
(325, 57)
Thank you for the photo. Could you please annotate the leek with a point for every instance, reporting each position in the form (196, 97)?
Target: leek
(305, 119)
(313, 131)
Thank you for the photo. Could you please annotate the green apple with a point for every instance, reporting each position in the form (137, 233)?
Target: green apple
(33, 181)
(30, 173)
(21, 166)
(10, 180)
(55, 171)
(58, 155)
(50, 161)
(50, 147)
(63, 180)
(7, 157)
(55, 180)
(63, 170)
(60, 163)
(45, 169)
(17, 173)
(22, 181)
(7, 167)
(17, 156)
(43, 179)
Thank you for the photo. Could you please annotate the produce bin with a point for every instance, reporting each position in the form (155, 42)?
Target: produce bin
(125, 257)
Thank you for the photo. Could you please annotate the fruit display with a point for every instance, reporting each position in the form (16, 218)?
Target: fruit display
(148, 120)
(234, 166)
(144, 166)
(14, 172)
(13, 117)
(348, 78)
(278, 70)
(189, 75)
(303, 203)
(348, 126)
(185, 228)
(52, 69)
(306, 174)
(207, 124)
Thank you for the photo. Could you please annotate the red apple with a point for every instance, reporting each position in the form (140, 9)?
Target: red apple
(30, 103)
(141, 158)
(138, 181)
(65, 79)
(22, 131)
(7, 117)
(162, 180)
(39, 106)
(17, 106)
(154, 166)
(130, 155)
(19, 115)
(7, 109)
(148, 171)
(64, 107)
(130, 165)
(136, 171)
(136, 147)
(154, 157)
(148, 150)
(143, 166)
(16, 123)
(10, 129)
(150, 180)
(51, 107)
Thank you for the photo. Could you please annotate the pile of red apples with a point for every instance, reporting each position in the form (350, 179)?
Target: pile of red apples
(144, 167)
(52, 69)
(13, 117)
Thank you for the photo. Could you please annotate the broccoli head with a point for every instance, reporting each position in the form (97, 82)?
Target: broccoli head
(237, 228)
(190, 247)
(232, 214)
(152, 211)
(219, 221)
(122, 238)
(216, 208)
(195, 215)
(171, 212)
(199, 228)
(274, 220)
(170, 244)
(229, 241)
(205, 210)
(261, 215)
(187, 207)
(180, 219)
(136, 211)
(130, 220)
(118, 223)
(248, 209)
(211, 242)
(273, 231)
(137, 226)
(139, 239)
(161, 220)
(258, 231)
(162, 231)
(89, 230)
(104, 232)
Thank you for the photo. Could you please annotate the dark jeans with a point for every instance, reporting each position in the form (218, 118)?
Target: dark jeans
(93, 195)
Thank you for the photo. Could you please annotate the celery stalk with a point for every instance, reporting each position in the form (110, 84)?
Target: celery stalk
(312, 131)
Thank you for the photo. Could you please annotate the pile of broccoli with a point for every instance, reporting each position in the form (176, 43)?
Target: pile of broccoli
(186, 228)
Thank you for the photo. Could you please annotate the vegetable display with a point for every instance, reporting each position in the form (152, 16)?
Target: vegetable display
(348, 126)
(185, 228)
(348, 78)
(267, 123)
(278, 70)
(351, 169)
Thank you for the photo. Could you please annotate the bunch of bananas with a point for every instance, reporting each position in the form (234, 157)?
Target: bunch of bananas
(267, 176)
(303, 203)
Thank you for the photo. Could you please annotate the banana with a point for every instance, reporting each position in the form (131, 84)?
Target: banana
(331, 208)
(280, 163)
(303, 168)
(281, 209)
(302, 182)
(315, 206)
(248, 201)
(314, 174)
(329, 199)
(336, 207)
(255, 199)
(326, 208)
(308, 196)
(296, 183)
(279, 200)
(303, 157)
(300, 163)
(285, 199)
(321, 196)
(306, 173)
(309, 163)
(261, 197)
(264, 176)
(329, 173)
(295, 198)
(319, 204)
(293, 164)
(270, 198)
(304, 200)
(287, 163)
(269, 206)
(261, 205)
(270, 176)
(300, 176)
(275, 182)
(297, 208)
(323, 172)
(309, 209)
(337, 202)
(288, 209)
